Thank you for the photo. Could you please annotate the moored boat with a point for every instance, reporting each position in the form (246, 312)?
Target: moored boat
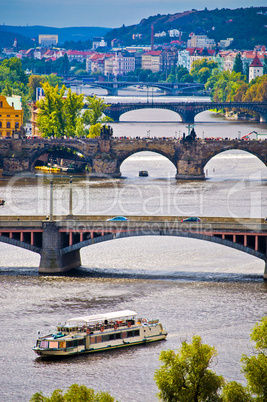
(2, 202)
(143, 173)
(99, 332)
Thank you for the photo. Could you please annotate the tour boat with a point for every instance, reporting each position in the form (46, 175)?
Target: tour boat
(2, 202)
(99, 332)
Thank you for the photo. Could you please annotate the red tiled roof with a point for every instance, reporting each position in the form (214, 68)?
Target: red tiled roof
(256, 62)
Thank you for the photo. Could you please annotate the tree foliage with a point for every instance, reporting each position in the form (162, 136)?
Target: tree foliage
(95, 111)
(57, 116)
(202, 69)
(255, 367)
(185, 376)
(75, 393)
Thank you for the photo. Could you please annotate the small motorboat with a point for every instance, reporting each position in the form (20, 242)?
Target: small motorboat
(2, 202)
(143, 173)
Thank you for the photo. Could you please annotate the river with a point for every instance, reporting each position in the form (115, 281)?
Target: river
(192, 286)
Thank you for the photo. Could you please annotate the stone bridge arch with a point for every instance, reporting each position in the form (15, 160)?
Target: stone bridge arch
(55, 147)
(129, 153)
(237, 147)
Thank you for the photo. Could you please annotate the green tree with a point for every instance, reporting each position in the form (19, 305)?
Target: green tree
(235, 392)
(54, 80)
(95, 111)
(73, 105)
(75, 393)
(185, 376)
(35, 81)
(202, 69)
(255, 367)
(58, 115)
(238, 65)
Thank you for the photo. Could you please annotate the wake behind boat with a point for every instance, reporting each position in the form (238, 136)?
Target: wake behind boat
(99, 332)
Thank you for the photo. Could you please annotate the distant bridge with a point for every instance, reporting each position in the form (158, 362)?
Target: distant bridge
(60, 239)
(112, 87)
(186, 110)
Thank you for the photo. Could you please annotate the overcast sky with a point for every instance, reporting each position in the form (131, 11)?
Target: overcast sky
(102, 13)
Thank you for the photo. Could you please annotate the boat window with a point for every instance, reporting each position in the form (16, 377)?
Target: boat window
(136, 332)
(124, 335)
(53, 345)
(69, 344)
(111, 337)
(130, 334)
(105, 338)
(81, 341)
(118, 335)
(99, 338)
(92, 339)
(62, 345)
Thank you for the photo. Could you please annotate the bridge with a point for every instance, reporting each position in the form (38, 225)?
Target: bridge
(186, 110)
(59, 239)
(103, 157)
(112, 87)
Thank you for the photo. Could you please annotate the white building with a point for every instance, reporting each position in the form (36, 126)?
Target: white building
(123, 63)
(99, 42)
(200, 41)
(174, 33)
(255, 68)
(184, 59)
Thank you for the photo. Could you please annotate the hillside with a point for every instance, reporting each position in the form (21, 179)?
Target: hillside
(31, 32)
(246, 25)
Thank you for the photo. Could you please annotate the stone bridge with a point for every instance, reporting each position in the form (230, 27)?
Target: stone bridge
(104, 157)
(113, 87)
(59, 240)
(186, 110)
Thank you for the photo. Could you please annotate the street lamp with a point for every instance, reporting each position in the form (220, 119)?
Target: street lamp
(239, 132)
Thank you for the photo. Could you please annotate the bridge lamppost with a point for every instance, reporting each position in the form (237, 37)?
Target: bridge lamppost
(51, 201)
(239, 133)
(70, 200)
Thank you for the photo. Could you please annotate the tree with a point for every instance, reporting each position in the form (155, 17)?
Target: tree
(202, 69)
(238, 65)
(50, 117)
(94, 113)
(73, 105)
(235, 392)
(35, 81)
(77, 393)
(186, 376)
(255, 367)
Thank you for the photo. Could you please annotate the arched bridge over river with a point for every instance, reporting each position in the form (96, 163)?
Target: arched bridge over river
(105, 156)
(59, 240)
(186, 110)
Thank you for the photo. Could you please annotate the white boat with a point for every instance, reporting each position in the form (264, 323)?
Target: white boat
(99, 332)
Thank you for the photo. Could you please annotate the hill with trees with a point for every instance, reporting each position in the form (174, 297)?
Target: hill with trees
(246, 25)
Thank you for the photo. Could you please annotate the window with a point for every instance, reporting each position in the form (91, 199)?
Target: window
(1, 104)
(16, 125)
(8, 124)
(0, 124)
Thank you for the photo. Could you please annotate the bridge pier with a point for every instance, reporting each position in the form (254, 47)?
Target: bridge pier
(52, 259)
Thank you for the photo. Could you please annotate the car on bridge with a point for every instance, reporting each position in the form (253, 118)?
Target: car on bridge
(117, 219)
(191, 219)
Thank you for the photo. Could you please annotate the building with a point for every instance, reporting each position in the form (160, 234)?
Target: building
(124, 62)
(152, 61)
(11, 115)
(99, 42)
(255, 68)
(48, 40)
(200, 41)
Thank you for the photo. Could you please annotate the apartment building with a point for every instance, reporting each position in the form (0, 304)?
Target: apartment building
(151, 60)
(123, 63)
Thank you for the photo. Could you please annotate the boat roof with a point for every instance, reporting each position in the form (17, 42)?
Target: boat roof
(115, 315)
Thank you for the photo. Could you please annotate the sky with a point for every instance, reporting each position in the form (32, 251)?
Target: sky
(102, 13)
